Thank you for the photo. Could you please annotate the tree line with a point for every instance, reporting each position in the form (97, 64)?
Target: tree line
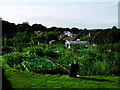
(24, 33)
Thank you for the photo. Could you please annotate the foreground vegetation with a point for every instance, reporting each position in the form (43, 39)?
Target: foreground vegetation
(19, 77)
(93, 61)
(13, 78)
(27, 64)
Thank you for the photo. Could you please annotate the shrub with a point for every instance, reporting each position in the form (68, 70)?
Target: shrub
(85, 38)
(52, 36)
(52, 54)
(42, 38)
(35, 50)
(39, 65)
(16, 58)
(18, 49)
(6, 49)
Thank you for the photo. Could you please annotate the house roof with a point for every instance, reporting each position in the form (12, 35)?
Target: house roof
(77, 36)
(71, 38)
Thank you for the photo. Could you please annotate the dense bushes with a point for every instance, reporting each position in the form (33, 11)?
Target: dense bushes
(6, 49)
(99, 63)
(19, 43)
(110, 47)
(85, 38)
(108, 36)
(42, 51)
(39, 65)
(14, 59)
(92, 61)
(95, 60)
(45, 38)
(30, 61)
(35, 50)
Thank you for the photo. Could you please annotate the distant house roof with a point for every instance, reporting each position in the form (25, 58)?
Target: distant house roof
(71, 38)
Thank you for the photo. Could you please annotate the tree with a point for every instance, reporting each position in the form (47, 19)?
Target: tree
(67, 29)
(85, 30)
(22, 39)
(75, 30)
(38, 27)
(52, 29)
(23, 27)
(52, 36)
(8, 29)
(42, 38)
(114, 28)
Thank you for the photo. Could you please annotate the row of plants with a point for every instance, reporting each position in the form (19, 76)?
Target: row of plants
(39, 65)
(30, 62)
(93, 60)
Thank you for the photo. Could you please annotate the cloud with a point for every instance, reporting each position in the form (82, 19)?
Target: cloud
(90, 15)
(59, 0)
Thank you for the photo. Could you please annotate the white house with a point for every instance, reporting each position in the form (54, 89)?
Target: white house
(68, 43)
(68, 33)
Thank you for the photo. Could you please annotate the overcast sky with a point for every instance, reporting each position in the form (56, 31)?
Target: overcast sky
(63, 13)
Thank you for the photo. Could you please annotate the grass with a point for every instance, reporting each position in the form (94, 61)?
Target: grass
(23, 79)
(31, 80)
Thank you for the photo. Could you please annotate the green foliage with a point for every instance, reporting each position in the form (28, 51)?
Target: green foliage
(102, 67)
(74, 30)
(35, 50)
(109, 47)
(23, 39)
(65, 57)
(23, 27)
(6, 49)
(7, 41)
(16, 58)
(52, 36)
(48, 37)
(42, 38)
(8, 29)
(23, 79)
(85, 38)
(17, 49)
(114, 28)
(38, 27)
(108, 36)
(99, 63)
(39, 64)
(52, 29)
(52, 54)
(95, 60)
(101, 59)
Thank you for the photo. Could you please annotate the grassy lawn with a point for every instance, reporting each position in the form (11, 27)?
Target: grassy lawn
(13, 78)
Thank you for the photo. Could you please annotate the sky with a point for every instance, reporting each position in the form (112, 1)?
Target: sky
(91, 14)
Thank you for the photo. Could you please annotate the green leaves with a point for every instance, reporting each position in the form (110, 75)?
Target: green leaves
(35, 50)
(16, 58)
(39, 64)
(86, 38)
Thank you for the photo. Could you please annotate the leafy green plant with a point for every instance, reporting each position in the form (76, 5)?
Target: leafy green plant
(85, 38)
(35, 50)
(39, 64)
(6, 49)
(16, 58)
